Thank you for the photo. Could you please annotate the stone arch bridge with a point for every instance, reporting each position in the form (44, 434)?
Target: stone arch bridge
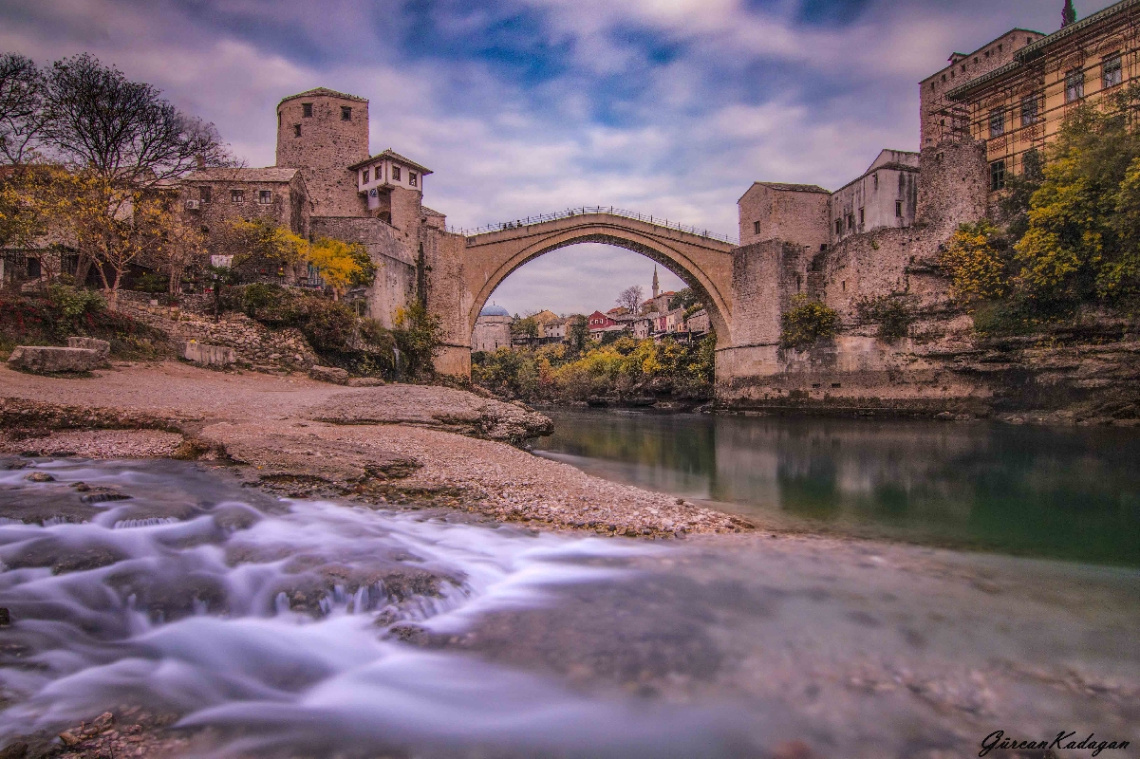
(489, 255)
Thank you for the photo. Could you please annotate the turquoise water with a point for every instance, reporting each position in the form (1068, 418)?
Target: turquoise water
(1070, 494)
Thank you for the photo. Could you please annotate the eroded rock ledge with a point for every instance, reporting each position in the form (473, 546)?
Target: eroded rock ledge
(436, 408)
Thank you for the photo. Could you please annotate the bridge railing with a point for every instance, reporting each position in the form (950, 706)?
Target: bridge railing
(583, 210)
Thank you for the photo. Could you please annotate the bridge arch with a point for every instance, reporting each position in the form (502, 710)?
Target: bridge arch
(703, 263)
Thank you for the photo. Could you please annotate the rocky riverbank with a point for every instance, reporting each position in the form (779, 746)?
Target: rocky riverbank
(396, 445)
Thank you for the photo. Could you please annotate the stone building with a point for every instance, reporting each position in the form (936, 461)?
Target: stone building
(940, 118)
(780, 211)
(327, 184)
(885, 195)
(492, 329)
(1020, 106)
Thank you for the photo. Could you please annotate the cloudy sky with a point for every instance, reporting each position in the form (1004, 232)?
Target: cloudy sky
(668, 107)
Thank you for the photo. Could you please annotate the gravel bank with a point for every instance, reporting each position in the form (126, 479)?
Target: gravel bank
(397, 444)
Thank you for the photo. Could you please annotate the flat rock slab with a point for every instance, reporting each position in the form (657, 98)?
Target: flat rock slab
(439, 407)
(331, 374)
(92, 343)
(50, 358)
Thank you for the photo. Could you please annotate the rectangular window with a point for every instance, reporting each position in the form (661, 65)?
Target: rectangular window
(838, 227)
(364, 176)
(997, 176)
(237, 196)
(307, 110)
(755, 227)
(1029, 110)
(296, 130)
(1111, 70)
(345, 113)
(279, 119)
(395, 173)
(997, 122)
(264, 197)
(412, 177)
(1074, 85)
(378, 171)
(862, 217)
(204, 194)
(898, 209)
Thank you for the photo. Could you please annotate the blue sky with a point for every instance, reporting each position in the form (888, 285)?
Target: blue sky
(669, 107)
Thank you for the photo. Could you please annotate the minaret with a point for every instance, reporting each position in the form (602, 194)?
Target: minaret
(656, 285)
(1068, 14)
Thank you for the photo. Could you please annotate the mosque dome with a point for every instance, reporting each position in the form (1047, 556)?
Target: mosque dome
(494, 310)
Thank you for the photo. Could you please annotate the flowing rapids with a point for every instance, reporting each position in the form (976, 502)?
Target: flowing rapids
(312, 628)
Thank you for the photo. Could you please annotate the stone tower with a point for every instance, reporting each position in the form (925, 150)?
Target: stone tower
(656, 284)
(322, 133)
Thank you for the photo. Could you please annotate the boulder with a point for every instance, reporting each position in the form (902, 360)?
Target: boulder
(366, 382)
(329, 374)
(208, 355)
(48, 358)
(93, 343)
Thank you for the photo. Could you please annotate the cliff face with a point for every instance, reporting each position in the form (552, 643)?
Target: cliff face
(1070, 374)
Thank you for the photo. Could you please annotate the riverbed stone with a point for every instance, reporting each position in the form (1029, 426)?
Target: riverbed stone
(330, 374)
(51, 358)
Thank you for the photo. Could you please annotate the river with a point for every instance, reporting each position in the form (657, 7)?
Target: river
(309, 628)
(1059, 493)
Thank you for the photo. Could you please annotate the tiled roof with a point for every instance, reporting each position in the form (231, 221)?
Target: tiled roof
(394, 156)
(267, 174)
(323, 92)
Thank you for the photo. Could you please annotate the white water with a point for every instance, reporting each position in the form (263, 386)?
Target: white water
(320, 680)
(279, 624)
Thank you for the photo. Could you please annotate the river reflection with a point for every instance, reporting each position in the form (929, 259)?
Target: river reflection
(1070, 494)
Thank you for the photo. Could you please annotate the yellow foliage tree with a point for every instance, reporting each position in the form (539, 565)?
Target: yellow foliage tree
(340, 264)
(974, 262)
(115, 225)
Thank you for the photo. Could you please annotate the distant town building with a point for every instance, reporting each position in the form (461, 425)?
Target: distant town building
(492, 329)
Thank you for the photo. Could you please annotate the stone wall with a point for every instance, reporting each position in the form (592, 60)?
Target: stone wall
(856, 369)
(255, 346)
(391, 251)
(448, 297)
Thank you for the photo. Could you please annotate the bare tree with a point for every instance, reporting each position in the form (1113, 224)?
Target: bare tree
(124, 131)
(22, 115)
(630, 298)
(128, 141)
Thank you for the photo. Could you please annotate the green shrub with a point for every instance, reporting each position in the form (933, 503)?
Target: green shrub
(72, 303)
(272, 305)
(63, 311)
(893, 313)
(807, 322)
(418, 336)
(151, 282)
(328, 326)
